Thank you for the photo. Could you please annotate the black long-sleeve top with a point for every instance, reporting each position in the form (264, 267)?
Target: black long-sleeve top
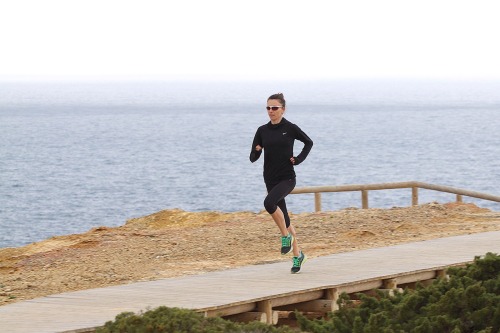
(277, 141)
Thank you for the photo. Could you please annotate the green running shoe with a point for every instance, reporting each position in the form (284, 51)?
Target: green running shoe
(297, 262)
(286, 244)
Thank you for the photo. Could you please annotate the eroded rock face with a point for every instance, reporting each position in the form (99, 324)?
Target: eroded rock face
(174, 242)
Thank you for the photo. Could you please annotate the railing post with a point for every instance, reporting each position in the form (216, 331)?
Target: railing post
(364, 199)
(459, 198)
(414, 196)
(317, 201)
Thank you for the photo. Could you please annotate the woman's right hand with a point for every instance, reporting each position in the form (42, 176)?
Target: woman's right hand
(258, 148)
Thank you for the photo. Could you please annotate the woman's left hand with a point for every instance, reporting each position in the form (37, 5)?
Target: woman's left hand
(292, 160)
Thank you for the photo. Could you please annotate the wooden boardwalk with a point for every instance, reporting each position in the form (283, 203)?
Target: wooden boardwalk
(259, 288)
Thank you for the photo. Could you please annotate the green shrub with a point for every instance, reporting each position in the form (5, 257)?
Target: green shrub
(175, 320)
(468, 302)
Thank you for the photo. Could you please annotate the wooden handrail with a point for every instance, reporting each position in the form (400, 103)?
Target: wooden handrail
(414, 185)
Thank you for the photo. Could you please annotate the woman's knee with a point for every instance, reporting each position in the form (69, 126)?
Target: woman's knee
(270, 206)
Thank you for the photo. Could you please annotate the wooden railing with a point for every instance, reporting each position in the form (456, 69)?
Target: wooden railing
(365, 188)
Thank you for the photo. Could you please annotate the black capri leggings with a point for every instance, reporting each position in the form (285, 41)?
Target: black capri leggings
(277, 191)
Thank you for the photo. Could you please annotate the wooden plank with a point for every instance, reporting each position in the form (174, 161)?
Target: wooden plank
(390, 292)
(317, 305)
(359, 287)
(417, 276)
(231, 310)
(354, 187)
(455, 190)
(247, 317)
(296, 298)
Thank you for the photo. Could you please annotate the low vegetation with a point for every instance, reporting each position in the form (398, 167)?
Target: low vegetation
(175, 320)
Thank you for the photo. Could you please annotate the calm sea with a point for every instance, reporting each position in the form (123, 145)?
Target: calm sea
(76, 155)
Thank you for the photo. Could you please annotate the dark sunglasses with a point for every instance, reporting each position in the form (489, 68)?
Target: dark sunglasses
(274, 108)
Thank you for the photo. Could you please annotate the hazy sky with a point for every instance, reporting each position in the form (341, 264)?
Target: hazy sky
(270, 39)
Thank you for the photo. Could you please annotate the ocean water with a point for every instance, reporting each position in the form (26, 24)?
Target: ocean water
(77, 155)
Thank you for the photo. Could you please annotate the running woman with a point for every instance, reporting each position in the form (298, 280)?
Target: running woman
(276, 138)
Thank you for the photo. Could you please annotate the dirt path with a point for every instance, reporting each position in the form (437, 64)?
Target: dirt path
(173, 243)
